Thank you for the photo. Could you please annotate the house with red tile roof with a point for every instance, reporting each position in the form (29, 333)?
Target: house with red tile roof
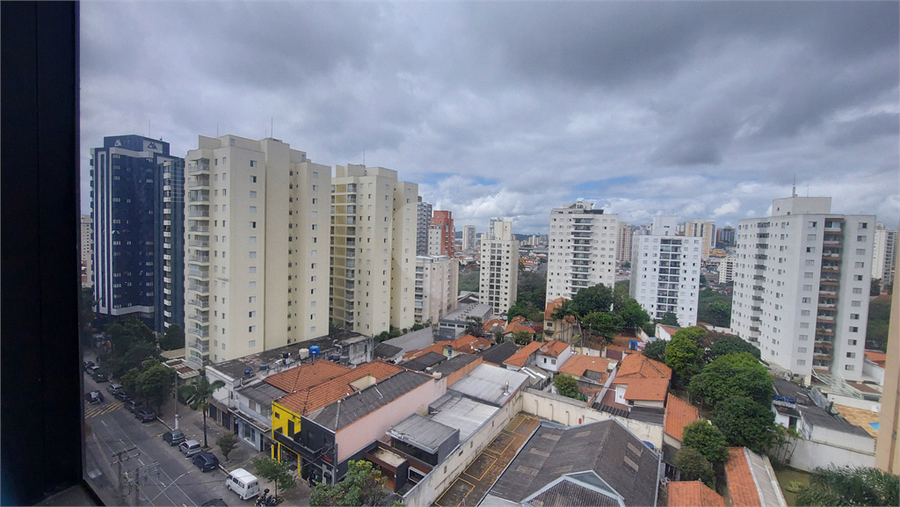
(679, 414)
(641, 392)
(306, 375)
(665, 332)
(641, 366)
(466, 344)
(491, 326)
(751, 480)
(552, 354)
(559, 329)
(692, 494)
(524, 357)
(517, 324)
(591, 372)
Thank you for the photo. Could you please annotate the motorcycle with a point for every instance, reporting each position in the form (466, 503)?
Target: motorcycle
(266, 500)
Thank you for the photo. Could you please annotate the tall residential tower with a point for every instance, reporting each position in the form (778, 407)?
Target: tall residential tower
(257, 247)
(499, 275)
(582, 249)
(801, 286)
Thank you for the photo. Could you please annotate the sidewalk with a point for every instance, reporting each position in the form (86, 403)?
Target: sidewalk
(190, 422)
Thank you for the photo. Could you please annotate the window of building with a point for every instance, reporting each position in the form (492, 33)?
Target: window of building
(252, 284)
(252, 179)
(857, 290)
(252, 209)
(252, 269)
(251, 255)
(253, 194)
(252, 163)
(252, 239)
(251, 329)
(854, 329)
(252, 299)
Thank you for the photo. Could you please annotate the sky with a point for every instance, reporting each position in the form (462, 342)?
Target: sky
(704, 110)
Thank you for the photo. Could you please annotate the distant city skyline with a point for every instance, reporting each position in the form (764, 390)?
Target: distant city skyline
(699, 109)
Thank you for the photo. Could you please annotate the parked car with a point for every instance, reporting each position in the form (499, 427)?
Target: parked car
(173, 437)
(114, 388)
(94, 397)
(205, 461)
(90, 369)
(87, 366)
(132, 405)
(145, 415)
(122, 396)
(189, 447)
(100, 376)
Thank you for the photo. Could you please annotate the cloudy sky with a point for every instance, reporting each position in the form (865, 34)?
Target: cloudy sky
(700, 109)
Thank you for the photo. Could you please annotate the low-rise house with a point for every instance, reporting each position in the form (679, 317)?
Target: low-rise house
(679, 414)
(591, 372)
(552, 354)
(524, 357)
(497, 354)
(517, 325)
(665, 332)
(600, 463)
(424, 362)
(388, 353)
(751, 480)
(826, 436)
(454, 324)
(692, 494)
(637, 389)
(454, 369)
(559, 329)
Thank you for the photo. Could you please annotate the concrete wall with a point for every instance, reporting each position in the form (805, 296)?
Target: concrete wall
(810, 454)
(426, 492)
(572, 412)
(847, 401)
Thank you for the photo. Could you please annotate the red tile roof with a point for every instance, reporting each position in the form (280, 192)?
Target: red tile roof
(489, 326)
(876, 357)
(521, 357)
(553, 348)
(645, 389)
(318, 395)
(306, 375)
(468, 344)
(670, 329)
(437, 348)
(552, 306)
(741, 485)
(578, 365)
(517, 326)
(679, 414)
(641, 366)
(693, 494)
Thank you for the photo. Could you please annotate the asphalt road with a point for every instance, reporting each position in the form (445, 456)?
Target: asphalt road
(174, 481)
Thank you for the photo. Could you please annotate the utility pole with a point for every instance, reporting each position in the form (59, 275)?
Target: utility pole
(120, 493)
(141, 473)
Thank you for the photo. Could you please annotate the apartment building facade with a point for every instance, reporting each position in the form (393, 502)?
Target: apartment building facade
(469, 238)
(665, 272)
(256, 274)
(498, 277)
(884, 254)
(423, 224)
(442, 222)
(801, 285)
(702, 229)
(87, 248)
(623, 243)
(373, 262)
(137, 230)
(437, 287)
(581, 249)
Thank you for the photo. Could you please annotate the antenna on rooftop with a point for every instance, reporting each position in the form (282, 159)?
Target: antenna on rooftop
(148, 127)
(364, 156)
(794, 187)
(272, 126)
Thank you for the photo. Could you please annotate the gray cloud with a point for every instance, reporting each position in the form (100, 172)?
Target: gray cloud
(702, 109)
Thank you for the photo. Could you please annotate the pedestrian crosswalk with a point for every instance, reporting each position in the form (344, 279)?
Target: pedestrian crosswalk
(103, 408)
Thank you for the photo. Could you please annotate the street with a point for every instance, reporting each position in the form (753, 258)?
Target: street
(164, 475)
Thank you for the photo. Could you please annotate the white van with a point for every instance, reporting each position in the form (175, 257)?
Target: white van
(243, 483)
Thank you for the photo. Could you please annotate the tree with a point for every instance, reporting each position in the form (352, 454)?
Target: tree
(669, 319)
(706, 439)
(362, 485)
(632, 314)
(198, 395)
(745, 422)
(172, 338)
(718, 313)
(468, 278)
(281, 473)
(86, 314)
(602, 324)
(132, 343)
(598, 298)
(474, 326)
(878, 324)
(656, 350)
(516, 310)
(730, 344)
(684, 357)
(729, 376)
(695, 333)
(155, 383)
(227, 443)
(849, 486)
(694, 467)
(566, 385)
(522, 337)
(782, 443)
(875, 287)
(531, 291)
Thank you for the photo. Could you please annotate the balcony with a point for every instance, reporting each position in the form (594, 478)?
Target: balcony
(202, 166)
(200, 345)
(199, 331)
(198, 213)
(201, 303)
(198, 273)
(198, 228)
(198, 182)
(199, 258)
(198, 196)
(202, 288)
(199, 317)
(826, 319)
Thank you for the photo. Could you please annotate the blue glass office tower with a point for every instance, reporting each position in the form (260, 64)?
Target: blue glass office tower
(137, 206)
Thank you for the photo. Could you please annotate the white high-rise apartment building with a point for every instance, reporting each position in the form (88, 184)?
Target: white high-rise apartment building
(423, 224)
(86, 250)
(726, 269)
(623, 243)
(582, 249)
(256, 267)
(884, 254)
(499, 275)
(801, 286)
(705, 230)
(665, 272)
(468, 238)
(437, 287)
(373, 259)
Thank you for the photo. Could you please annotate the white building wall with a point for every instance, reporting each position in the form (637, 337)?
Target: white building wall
(499, 273)
(260, 224)
(884, 254)
(581, 250)
(801, 286)
(437, 286)
(665, 276)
